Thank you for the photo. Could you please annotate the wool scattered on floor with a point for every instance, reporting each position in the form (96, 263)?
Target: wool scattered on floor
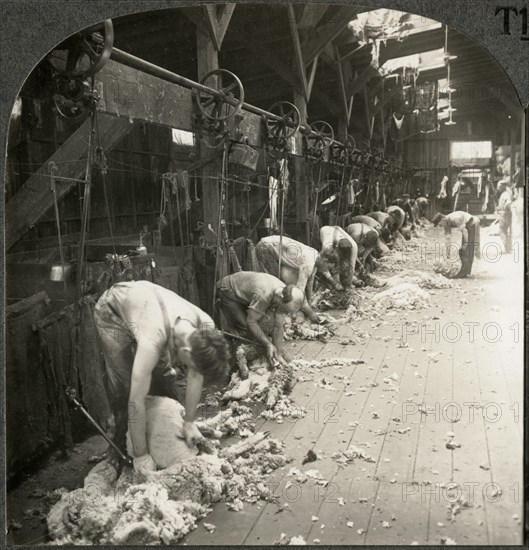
(402, 296)
(266, 385)
(161, 507)
(420, 278)
(325, 300)
(447, 268)
(304, 330)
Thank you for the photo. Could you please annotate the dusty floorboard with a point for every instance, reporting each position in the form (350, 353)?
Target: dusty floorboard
(448, 380)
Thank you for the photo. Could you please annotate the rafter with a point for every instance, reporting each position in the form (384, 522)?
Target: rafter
(218, 22)
(208, 19)
(312, 14)
(344, 75)
(327, 33)
(298, 54)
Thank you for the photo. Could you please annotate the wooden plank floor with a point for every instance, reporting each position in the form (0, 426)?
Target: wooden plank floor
(457, 377)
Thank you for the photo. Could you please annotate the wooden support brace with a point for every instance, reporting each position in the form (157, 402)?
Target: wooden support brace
(298, 54)
(35, 197)
(327, 33)
(312, 14)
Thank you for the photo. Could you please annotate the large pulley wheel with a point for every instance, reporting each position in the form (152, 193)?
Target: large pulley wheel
(321, 138)
(344, 149)
(228, 100)
(289, 123)
(88, 51)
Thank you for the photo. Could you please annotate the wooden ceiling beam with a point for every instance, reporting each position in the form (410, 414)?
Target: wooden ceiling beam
(298, 54)
(208, 19)
(312, 14)
(218, 22)
(326, 33)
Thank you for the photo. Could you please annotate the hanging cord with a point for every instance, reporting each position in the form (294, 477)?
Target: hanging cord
(86, 204)
(176, 191)
(316, 199)
(267, 205)
(103, 170)
(342, 184)
(219, 226)
(53, 171)
(281, 189)
(166, 191)
(76, 333)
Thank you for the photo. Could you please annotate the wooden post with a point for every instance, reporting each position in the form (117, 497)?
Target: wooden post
(302, 187)
(208, 60)
(342, 127)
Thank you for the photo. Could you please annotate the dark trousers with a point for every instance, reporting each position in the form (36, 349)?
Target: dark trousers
(235, 315)
(505, 224)
(467, 255)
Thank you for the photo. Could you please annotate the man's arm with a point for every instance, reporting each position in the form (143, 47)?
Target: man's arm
(146, 358)
(448, 231)
(195, 382)
(252, 319)
(277, 337)
(464, 232)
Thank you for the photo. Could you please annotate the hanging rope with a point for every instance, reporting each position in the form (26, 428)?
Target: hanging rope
(166, 192)
(342, 184)
(219, 227)
(53, 171)
(103, 167)
(316, 199)
(281, 189)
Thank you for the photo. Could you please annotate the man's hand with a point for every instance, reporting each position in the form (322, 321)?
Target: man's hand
(192, 434)
(338, 287)
(271, 353)
(284, 357)
(144, 463)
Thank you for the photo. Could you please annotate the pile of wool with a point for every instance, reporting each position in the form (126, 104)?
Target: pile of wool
(247, 355)
(290, 541)
(419, 278)
(402, 296)
(304, 330)
(350, 455)
(325, 300)
(335, 362)
(163, 506)
(447, 268)
(266, 385)
(284, 408)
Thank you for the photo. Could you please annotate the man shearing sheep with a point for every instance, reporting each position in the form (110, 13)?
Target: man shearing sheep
(299, 265)
(470, 241)
(338, 244)
(143, 329)
(246, 298)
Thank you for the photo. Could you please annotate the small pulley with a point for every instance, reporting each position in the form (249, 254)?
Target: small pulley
(71, 96)
(88, 51)
(343, 150)
(321, 138)
(281, 130)
(227, 102)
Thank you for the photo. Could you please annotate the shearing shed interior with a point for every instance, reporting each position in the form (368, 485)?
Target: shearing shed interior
(265, 283)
